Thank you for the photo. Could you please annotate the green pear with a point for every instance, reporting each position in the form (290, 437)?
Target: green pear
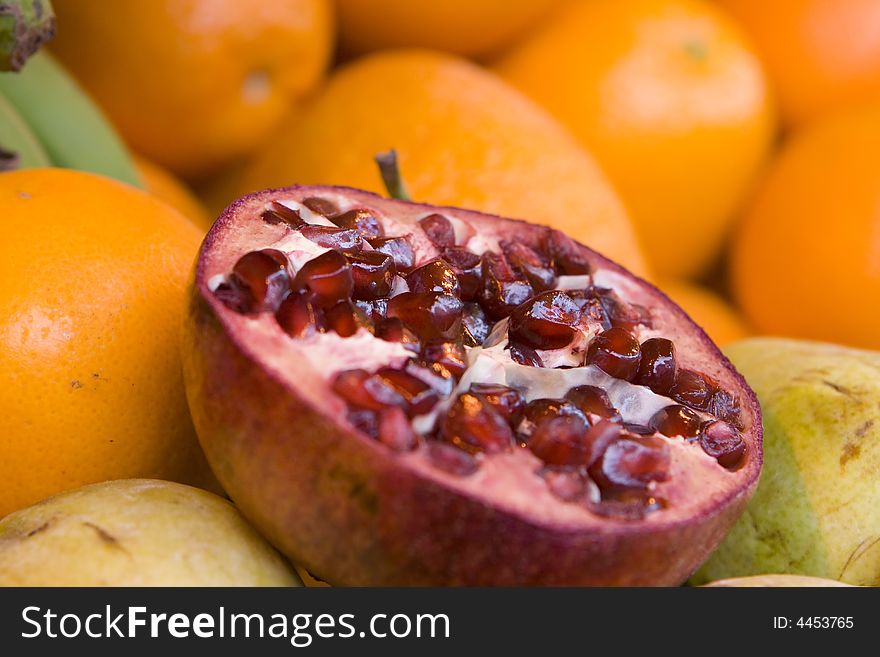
(136, 532)
(817, 508)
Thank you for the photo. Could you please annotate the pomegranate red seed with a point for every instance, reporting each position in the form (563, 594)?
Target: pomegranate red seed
(467, 268)
(436, 376)
(361, 389)
(546, 321)
(297, 315)
(372, 273)
(434, 276)
(501, 291)
(599, 436)
(639, 429)
(328, 277)
(524, 355)
(321, 206)
(394, 330)
(508, 402)
(474, 425)
(260, 279)
(450, 355)
(374, 309)
(622, 315)
(692, 389)
(726, 407)
(657, 367)
(419, 397)
(430, 315)
(233, 297)
(277, 213)
(395, 431)
(399, 248)
(475, 325)
(438, 229)
(676, 421)
(361, 220)
(592, 400)
(559, 440)
(632, 463)
(565, 254)
(539, 411)
(345, 319)
(364, 420)
(537, 270)
(333, 238)
(615, 352)
(593, 313)
(722, 441)
(451, 459)
(618, 312)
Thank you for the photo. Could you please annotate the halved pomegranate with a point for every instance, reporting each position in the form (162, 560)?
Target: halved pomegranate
(396, 394)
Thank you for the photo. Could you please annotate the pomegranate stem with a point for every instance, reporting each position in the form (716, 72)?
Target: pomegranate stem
(389, 169)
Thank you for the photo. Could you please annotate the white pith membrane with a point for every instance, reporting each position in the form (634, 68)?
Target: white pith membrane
(691, 470)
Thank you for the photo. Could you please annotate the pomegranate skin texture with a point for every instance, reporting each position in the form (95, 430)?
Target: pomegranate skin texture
(447, 491)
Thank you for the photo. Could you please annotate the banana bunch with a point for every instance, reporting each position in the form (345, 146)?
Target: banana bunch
(46, 119)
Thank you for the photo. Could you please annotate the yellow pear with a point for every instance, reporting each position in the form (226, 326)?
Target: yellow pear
(136, 532)
(817, 508)
(777, 581)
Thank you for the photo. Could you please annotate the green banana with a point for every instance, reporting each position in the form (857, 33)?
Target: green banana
(24, 26)
(67, 122)
(16, 138)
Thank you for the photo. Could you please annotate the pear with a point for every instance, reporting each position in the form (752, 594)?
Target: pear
(817, 508)
(776, 581)
(136, 532)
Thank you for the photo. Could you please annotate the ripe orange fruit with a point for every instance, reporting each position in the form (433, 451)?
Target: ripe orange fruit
(463, 137)
(805, 260)
(821, 55)
(192, 84)
(463, 27)
(715, 315)
(164, 186)
(92, 279)
(672, 102)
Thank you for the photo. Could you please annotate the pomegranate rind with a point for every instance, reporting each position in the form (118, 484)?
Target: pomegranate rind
(356, 513)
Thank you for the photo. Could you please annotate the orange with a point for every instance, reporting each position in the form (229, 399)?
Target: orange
(714, 314)
(193, 84)
(92, 279)
(163, 185)
(463, 27)
(821, 55)
(464, 138)
(805, 261)
(672, 102)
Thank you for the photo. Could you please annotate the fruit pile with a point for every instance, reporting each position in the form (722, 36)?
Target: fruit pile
(508, 373)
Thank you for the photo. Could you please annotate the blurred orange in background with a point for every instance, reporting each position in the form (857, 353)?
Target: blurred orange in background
(672, 101)
(464, 138)
(194, 84)
(821, 55)
(649, 126)
(721, 321)
(164, 186)
(806, 259)
(464, 27)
